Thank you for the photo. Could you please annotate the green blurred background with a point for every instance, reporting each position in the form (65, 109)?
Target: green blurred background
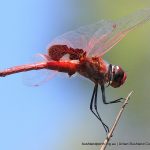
(56, 115)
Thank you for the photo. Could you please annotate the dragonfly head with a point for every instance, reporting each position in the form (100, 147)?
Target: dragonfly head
(118, 76)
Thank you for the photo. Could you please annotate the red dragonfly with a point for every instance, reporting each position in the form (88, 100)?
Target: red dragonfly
(80, 51)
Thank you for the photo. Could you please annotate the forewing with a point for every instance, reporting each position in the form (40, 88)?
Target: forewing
(81, 37)
(98, 38)
(102, 44)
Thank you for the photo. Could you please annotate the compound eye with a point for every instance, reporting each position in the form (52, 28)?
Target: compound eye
(119, 77)
(119, 73)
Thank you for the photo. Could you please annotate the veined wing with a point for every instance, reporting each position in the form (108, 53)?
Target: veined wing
(81, 37)
(38, 77)
(100, 37)
(101, 45)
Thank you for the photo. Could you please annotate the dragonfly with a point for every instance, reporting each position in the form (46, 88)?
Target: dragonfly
(81, 50)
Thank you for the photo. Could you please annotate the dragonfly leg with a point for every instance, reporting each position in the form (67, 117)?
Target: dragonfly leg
(104, 98)
(94, 101)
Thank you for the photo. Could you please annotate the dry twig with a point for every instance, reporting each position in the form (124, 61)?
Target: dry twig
(103, 147)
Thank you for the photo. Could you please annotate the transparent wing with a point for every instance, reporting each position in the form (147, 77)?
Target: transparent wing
(100, 37)
(81, 37)
(120, 30)
(38, 77)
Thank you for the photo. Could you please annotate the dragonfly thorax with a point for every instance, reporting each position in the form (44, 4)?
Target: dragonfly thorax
(94, 69)
(98, 71)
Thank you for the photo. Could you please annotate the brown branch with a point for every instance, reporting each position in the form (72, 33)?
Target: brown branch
(103, 147)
